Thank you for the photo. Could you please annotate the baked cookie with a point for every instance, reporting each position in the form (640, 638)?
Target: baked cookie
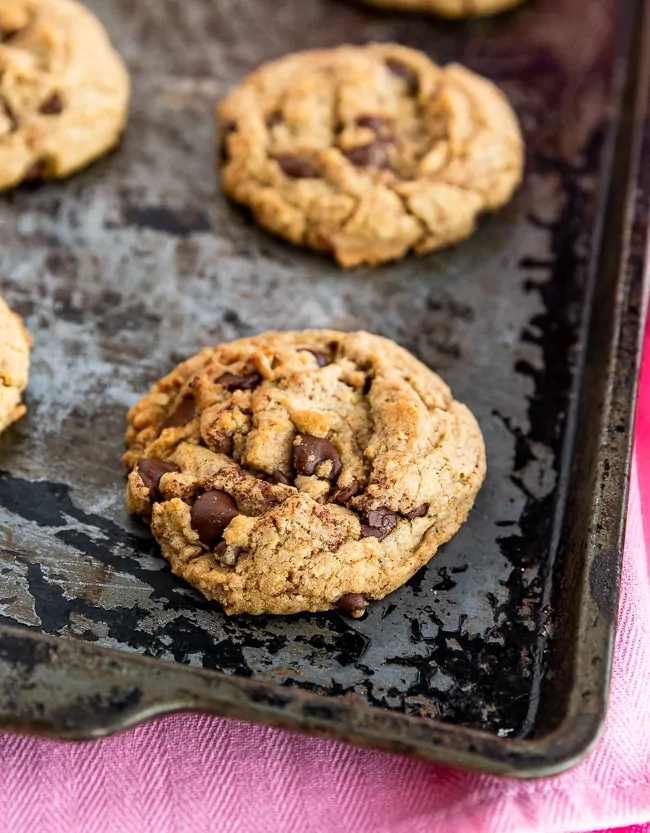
(14, 365)
(448, 8)
(64, 91)
(368, 151)
(301, 470)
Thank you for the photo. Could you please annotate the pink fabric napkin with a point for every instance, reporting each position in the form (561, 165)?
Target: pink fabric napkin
(198, 774)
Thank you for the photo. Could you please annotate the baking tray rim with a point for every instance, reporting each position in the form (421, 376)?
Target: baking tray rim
(150, 688)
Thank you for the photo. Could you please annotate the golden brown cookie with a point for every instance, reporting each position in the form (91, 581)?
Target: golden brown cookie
(64, 91)
(368, 152)
(302, 471)
(448, 8)
(14, 365)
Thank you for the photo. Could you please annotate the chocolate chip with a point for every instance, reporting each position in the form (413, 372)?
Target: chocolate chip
(379, 523)
(321, 359)
(211, 514)
(227, 554)
(151, 470)
(374, 155)
(406, 73)
(7, 34)
(352, 603)
(232, 381)
(53, 106)
(375, 123)
(420, 512)
(274, 118)
(346, 493)
(182, 415)
(229, 127)
(297, 168)
(9, 113)
(310, 452)
(280, 477)
(367, 385)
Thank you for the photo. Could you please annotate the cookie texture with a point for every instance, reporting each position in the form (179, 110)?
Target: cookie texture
(14, 365)
(64, 91)
(301, 471)
(448, 8)
(368, 152)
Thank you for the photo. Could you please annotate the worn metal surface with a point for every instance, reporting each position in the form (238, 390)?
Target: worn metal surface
(138, 262)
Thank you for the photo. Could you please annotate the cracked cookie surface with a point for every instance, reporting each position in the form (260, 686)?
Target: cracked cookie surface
(64, 91)
(301, 471)
(448, 8)
(368, 152)
(15, 344)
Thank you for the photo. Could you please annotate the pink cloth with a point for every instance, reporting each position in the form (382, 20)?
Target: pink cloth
(198, 774)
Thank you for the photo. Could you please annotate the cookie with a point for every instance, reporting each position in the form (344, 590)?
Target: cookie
(448, 8)
(64, 91)
(368, 152)
(14, 365)
(301, 471)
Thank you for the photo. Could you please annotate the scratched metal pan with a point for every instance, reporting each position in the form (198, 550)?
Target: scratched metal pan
(497, 655)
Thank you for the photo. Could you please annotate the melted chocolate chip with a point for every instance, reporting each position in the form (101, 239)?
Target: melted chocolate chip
(420, 512)
(321, 359)
(182, 415)
(309, 452)
(346, 493)
(211, 514)
(227, 554)
(375, 123)
(406, 73)
(233, 382)
(52, 106)
(374, 155)
(352, 603)
(151, 470)
(7, 34)
(379, 523)
(280, 477)
(297, 168)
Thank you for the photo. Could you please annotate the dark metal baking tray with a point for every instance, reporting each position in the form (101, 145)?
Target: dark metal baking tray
(497, 655)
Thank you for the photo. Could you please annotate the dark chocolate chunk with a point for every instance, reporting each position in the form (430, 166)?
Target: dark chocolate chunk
(211, 514)
(374, 155)
(280, 477)
(297, 168)
(352, 603)
(406, 73)
(233, 382)
(379, 523)
(375, 123)
(52, 106)
(309, 452)
(227, 554)
(420, 512)
(346, 493)
(321, 358)
(182, 415)
(151, 470)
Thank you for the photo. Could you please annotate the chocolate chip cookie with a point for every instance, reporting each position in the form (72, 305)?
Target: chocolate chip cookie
(448, 8)
(64, 91)
(14, 365)
(368, 152)
(301, 471)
